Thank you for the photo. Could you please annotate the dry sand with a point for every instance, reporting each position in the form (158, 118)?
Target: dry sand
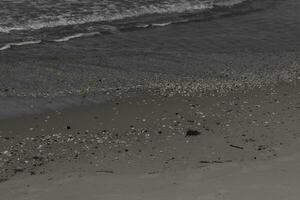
(268, 180)
(242, 145)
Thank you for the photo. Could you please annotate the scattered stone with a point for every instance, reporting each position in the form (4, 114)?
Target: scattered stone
(191, 132)
(237, 147)
(204, 161)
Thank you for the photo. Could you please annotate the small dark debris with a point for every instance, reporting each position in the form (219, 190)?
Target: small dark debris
(172, 158)
(261, 147)
(190, 121)
(204, 161)
(237, 147)
(214, 161)
(105, 171)
(37, 158)
(219, 161)
(154, 172)
(68, 127)
(192, 133)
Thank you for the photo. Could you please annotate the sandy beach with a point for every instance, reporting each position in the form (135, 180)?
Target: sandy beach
(242, 143)
(149, 99)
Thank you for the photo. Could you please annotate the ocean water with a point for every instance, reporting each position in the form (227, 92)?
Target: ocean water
(25, 22)
(25, 14)
(122, 34)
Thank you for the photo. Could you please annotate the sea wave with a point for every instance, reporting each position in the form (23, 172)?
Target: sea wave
(47, 35)
(228, 3)
(181, 6)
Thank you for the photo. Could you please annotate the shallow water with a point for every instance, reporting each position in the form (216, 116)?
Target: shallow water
(65, 61)
(199, 25)
(24, 14)
(49, 21)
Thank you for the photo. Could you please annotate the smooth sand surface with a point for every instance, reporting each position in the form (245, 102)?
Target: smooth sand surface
(268, 180)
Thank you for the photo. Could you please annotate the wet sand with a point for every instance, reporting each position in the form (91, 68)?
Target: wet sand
(32, 83)
(153, 146)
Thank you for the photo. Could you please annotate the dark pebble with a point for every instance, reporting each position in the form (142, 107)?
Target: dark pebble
(192, 133)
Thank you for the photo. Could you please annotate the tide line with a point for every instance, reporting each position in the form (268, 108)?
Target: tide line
(9, 45)
(78, 35)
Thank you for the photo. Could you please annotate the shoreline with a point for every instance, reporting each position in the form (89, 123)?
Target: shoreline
(75, 85)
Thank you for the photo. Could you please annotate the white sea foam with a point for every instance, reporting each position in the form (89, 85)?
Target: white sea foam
(9, 45)
(10, 29)
(162, 24)
(142, 25)
(108, 11)
(64, 39)
(78, 35)
(228, 3)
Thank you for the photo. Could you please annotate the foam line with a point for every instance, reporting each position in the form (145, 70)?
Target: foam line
(9, 45)
(78, 35)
